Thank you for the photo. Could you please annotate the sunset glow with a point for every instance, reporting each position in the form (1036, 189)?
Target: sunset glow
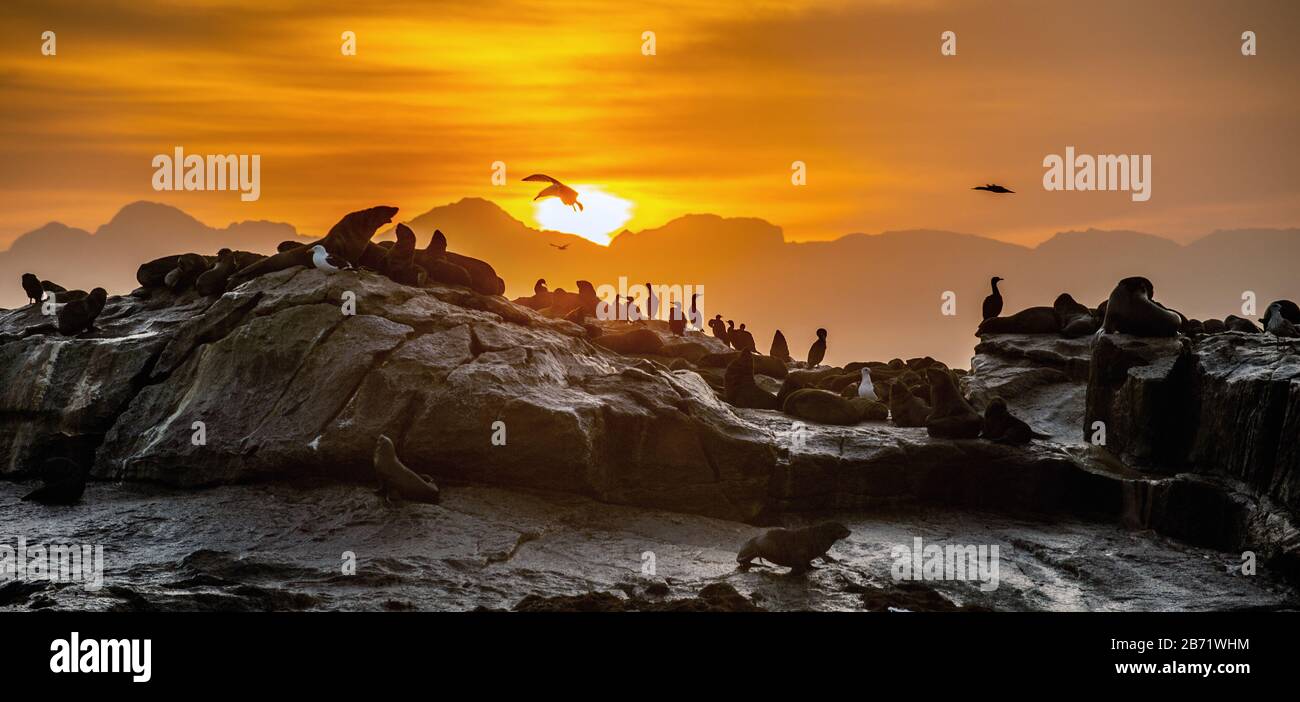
(602, 214)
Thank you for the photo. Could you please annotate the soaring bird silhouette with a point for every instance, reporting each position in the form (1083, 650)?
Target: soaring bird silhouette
(562, 248)
(993, 303)
(567, 195)
(993, 188)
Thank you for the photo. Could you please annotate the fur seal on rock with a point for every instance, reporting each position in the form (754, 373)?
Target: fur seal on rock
(906, 409)
(793, 548)
(399, 264)
(637, 341)
(433, 259)
(993, 303)
(1032, 320)
(65, 482)
(153, 274)
(951, 416)
(826, 407)
(188, 269)
(75, 317)
(1005, 428)
(213, 280)
(1240, 324)
(1132, 309)
(349, 239)
(1076, 319)
(817, 351)
(779, 349)
(739, 387)
(289, 245)
(395, 478)
(32, 286)
(483, 277)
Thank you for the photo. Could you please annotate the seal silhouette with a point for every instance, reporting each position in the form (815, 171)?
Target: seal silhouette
(795, 549)
(396, 479)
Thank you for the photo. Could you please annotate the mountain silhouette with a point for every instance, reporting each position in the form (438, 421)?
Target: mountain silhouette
(879, 295)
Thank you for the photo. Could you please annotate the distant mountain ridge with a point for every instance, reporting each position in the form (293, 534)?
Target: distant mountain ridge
(879, 295)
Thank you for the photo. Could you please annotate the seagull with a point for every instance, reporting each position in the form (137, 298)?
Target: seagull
(567, 195)
(562, 248)
(326, 261)
(993, 188)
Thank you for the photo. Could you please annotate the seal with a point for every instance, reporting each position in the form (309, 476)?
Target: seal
(396, 479)
(817, 351)
(1132, 309)
(65, 482)
(806, 378)
(348, 239)
(779, 349)
(951, 416)
(1005, 428)
(1032, 320)
(636, 341)
(32, 286)
(827, 407)
(795, 549)
(75, 317)
(289, 245)
(993, 303)
(213, 280)
(399, 263)
(739, 387)
(482, 276)
(153, 274)
(905, 408)
(1076, 319)
(1240, 324)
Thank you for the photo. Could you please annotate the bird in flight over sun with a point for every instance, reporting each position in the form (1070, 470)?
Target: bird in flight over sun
(567, 195)
(562, 248)
(993, 188)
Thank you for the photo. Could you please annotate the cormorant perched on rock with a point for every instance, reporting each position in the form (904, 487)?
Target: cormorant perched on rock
(817, 351)
(993, 303)
(676, 319)
(719, 328)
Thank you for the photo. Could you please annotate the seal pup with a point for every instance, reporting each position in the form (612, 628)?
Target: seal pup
(636, 341)
(993, 303)
(779, 349)
(348, 239)
(1005, 428)
(817, 351)
(64, 483)
(795, 549)
(213, 280)
(824, 407)
(866, 388)
(1132, 309)
(951, 416)
(739, 388)
(32, 286)
(1076, 319)
(905, 408)
(188, 269)
(75, 317)
(322, 259)
(395, 478)
(1276, 323)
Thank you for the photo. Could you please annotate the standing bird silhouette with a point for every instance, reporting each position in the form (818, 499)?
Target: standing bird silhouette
(567, 195)
(993, 303)
(817, 351)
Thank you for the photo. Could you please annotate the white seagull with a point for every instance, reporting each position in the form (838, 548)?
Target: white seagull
(865, 387)
(326, 261)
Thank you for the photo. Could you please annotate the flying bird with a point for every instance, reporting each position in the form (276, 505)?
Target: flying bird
(567, 195)
(993, 188)
(562, 248)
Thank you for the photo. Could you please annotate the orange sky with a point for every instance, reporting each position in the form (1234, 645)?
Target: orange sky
(893, 134)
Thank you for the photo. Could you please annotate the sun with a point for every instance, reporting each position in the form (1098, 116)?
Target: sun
(602, 214)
